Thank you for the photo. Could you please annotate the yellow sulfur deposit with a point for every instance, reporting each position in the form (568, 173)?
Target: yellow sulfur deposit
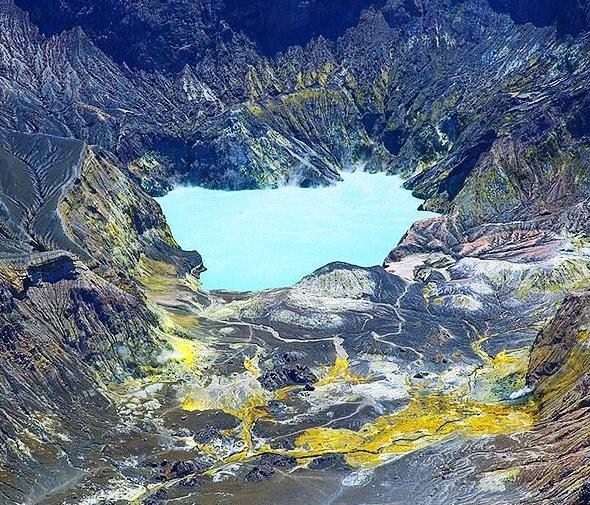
(317, 440)
(250, 411)
(185, 351)
(156, 276)
(252, 365)
(424, 421)
(253, 410)
(339, 372)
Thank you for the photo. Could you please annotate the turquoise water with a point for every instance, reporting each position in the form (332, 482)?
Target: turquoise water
(258, 239)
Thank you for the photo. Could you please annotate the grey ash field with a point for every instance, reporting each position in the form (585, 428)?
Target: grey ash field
(458, 372)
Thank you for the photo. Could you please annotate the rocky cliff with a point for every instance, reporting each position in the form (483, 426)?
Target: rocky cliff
(558, 373)
(390, 80)
(72, 315)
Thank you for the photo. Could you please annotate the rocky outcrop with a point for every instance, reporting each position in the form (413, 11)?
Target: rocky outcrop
(76, 233)
(185, 30)
(55, 196)
(37, 170)
(558, 373)
(64, 86)
(290, 139)
(62, 327)
(273, 111)
(127, 29)
(561, 340)
(311, 111)
(276, 26)
(108, 214)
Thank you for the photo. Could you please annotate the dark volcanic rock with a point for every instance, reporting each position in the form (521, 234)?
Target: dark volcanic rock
(36, 171)
(570, 16)
(560, 339)
(155, 35)
(559, 371)
(287, 375)
(207, 435)
(266, 465)
(52, 194)
(299, 117)
(584, 494)
(64, 327)
(157, 498)
(149, 34)
(276, 25)
(58, 334)
(181, 469)
(289, 369)
(259, 473)
(328, 462)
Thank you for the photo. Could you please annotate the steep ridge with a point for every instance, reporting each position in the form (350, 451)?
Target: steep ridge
(61, 325)
(36, 172)
(65, 86)
(126, 29)
(558, 373)
(122, 28)
(408, 97)
(64, 328)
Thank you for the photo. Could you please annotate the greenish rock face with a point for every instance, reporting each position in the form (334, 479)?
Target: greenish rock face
(261, 239)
